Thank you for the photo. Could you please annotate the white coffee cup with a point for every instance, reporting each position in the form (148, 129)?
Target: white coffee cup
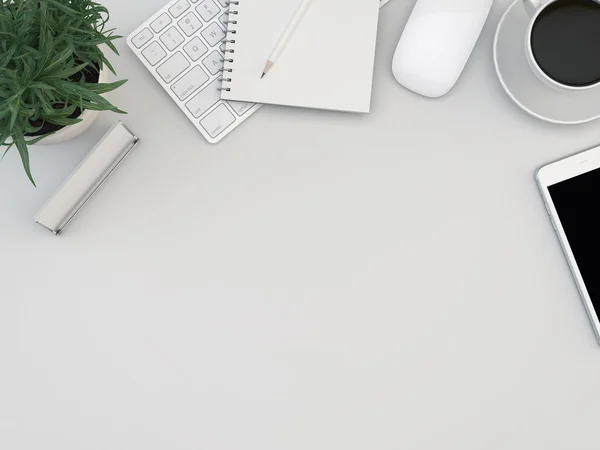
(535, 8)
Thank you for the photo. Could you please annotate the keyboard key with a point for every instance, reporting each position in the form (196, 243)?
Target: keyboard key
(217, 121)
(205, 99)
(195, 49)
(213, 62)
(189, 83)
(224, 3)
(161, 23)
(190, 24)
(154, 53)
(179, 8)
(142, 38)
(213, 34)
(241, 108)
(172, 39)
(173, 67)
(224, 18)
(208, 9)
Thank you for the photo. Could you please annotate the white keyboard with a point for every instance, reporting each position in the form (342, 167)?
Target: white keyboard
(182, 47)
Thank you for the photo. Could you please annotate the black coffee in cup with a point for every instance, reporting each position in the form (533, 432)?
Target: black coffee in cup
(565, 41)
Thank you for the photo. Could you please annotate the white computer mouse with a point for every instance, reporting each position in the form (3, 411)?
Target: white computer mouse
(437, 43)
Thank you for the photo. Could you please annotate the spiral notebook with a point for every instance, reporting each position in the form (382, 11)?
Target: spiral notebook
(327, 64)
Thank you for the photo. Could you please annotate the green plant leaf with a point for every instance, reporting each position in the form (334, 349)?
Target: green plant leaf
(24, 153)
(14, 114)
(37, 139)
(4, 137)
(41, 85)
(47, 49)
(8, 147)
(102, 88)
(64, 121)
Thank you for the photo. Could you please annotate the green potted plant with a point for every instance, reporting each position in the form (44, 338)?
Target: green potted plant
(52, 71)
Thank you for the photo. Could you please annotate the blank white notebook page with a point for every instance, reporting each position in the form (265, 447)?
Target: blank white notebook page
(327, 64)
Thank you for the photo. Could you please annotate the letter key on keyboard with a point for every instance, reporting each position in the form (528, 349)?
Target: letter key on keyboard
(213, 34)
(195, 49)
(213, 62)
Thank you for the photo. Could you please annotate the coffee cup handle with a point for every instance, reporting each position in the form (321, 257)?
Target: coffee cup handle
(532, 6)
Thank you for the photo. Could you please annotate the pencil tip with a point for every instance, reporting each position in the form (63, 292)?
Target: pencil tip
(267, 68)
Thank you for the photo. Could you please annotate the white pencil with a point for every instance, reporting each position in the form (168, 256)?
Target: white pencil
(282, 44)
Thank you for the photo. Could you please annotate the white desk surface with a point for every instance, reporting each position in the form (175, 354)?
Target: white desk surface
(316, 281)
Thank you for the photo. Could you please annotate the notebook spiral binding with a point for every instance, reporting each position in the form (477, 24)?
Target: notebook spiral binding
(230, 42)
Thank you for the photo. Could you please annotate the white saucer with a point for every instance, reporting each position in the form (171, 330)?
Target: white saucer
(525, 88)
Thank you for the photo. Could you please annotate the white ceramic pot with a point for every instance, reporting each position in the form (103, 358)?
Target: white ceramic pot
(72, 131)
